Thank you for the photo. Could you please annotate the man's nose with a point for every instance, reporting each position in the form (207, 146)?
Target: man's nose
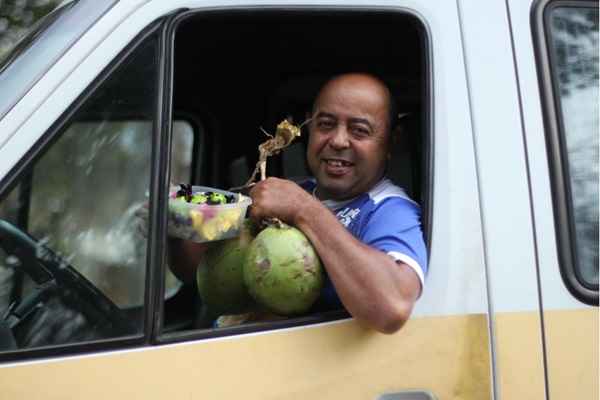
(340, 139)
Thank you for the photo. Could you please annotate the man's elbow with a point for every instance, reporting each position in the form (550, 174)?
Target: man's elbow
(393, 319)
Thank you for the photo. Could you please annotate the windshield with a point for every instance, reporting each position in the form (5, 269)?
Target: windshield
(34, 35)
(21, 22)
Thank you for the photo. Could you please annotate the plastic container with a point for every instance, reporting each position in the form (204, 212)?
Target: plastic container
(204, 222)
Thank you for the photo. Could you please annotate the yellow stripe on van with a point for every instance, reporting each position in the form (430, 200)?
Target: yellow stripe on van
(572, 354)
(572, 348)
(519, 358)
(448, 356)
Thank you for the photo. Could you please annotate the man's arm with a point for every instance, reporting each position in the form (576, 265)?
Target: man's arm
(183, 258)
(376, 290)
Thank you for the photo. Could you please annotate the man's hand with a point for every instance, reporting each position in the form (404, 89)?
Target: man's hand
(375, 289)
(278, 198)
(140, 222)
(183, 255)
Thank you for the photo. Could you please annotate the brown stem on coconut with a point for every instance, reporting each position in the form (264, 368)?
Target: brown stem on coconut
(285, 134)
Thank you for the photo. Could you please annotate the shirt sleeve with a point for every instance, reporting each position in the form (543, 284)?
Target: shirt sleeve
(394, 227)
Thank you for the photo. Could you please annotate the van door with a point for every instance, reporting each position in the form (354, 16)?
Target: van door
(337, 356)
(556, 50)
(445, 350)
(506, 208)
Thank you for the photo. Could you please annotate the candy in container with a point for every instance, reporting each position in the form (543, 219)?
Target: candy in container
(203, 214)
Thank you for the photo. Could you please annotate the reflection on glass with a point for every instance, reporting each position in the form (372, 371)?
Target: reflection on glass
(182, 151)
(575, 47)
(9, 211)
(20, 18)
(73, 261)
(84, 196)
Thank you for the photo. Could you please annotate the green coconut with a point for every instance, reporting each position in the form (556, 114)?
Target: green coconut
(282, 270)
(220, 276)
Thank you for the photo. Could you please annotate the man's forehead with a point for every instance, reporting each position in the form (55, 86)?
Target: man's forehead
(362, 90)
(357, 82)
(350, 103)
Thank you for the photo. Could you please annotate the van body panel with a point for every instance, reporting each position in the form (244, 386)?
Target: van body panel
(554, 292)
(482, 328)
(570, 326)
(500, 156)
(505, 202)
(454, 162)
(519, 365)
(333, 361)
(572, 352)
(339, 360)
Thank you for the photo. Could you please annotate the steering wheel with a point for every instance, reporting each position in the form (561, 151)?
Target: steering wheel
(53, 275)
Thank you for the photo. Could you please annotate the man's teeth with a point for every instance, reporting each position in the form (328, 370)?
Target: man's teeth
(338, 163)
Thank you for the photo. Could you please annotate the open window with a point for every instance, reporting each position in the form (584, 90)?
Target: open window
(240, 71)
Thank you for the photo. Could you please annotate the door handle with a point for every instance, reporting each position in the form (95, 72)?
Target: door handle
(408, 395)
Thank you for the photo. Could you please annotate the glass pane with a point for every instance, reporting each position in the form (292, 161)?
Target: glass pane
(182, 152)
(9, 212)
(45, 42)
(575, 47)
(19, 19)
(106, 166)
(73, 259)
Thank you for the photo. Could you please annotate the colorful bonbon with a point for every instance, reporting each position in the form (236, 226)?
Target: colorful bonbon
(203, 214)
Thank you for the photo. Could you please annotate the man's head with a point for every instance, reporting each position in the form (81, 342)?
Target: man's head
(349, 135)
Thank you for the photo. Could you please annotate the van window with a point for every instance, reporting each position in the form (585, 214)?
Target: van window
(73, 265)
(248, 80)
(21, 22)
(21, 66)
(186, 139)
(573, 48)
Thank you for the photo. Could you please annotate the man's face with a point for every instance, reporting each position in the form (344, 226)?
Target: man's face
(348, 142)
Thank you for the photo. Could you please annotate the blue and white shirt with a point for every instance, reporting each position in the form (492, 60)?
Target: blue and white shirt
(386, 219)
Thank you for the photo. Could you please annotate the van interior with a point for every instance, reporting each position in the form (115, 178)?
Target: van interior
(237, 72)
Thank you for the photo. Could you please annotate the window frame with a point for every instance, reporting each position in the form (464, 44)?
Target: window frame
(80, 16)
(555, 134)
(427, 90)
(20, 171)
(198, 142)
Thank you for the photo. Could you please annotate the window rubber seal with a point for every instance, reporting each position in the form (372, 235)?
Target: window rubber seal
(556, 149)
(21, 169)
(427, 163)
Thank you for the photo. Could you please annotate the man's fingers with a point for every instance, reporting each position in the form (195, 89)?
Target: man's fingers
(255, 213)
(141, 219)
(141, 215)
(142, 211)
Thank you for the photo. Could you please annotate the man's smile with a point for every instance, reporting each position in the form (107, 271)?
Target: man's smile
(337, 166)
(338, 162)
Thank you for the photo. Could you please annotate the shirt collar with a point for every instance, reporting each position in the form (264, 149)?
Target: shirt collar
(336, 205)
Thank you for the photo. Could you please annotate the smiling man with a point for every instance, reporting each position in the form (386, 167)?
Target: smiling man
(365, 229)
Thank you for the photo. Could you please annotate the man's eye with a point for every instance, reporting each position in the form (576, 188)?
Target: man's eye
(359, 131)
(325, 124)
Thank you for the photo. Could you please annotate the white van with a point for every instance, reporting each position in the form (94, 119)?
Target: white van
(105, 103)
